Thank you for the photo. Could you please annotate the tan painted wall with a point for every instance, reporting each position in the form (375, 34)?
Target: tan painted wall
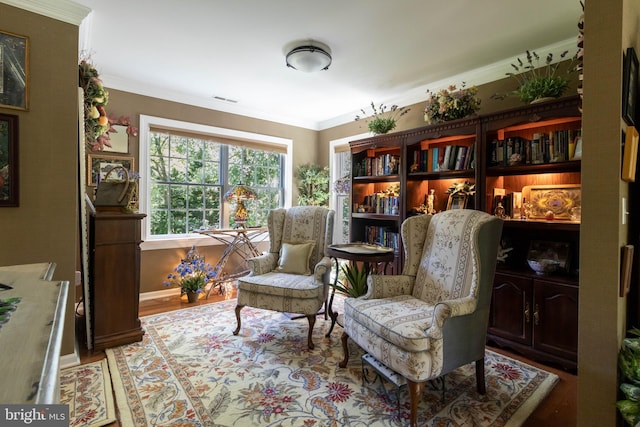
(43, 227)
(156, 264)
(602, 312)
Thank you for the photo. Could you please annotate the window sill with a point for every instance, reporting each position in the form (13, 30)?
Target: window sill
(178, 242)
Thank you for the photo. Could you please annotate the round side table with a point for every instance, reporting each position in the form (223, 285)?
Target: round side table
(371, 256)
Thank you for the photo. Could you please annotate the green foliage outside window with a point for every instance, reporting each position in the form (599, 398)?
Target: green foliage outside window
(313, 185)
(186, 179)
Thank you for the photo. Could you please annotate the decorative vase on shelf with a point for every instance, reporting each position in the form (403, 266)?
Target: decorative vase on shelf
(192, 297)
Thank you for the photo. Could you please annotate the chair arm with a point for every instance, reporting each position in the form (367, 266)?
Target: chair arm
(381, 286)
(447, 309)
(322, 268)
(263, 264)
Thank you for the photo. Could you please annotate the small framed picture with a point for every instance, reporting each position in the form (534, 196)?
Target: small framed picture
(98, 165)
(630, 87)
(457, 201)
(630, 154)
(14, 71)
(119, 140)
(8, 160)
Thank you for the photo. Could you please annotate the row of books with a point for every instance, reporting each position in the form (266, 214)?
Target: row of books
(382, 236)
(443, 158)
(381, 203)
(558, 146)
(385, 164)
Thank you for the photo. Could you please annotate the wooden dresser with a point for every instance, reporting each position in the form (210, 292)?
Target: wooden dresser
(31, 339)
(114, 278)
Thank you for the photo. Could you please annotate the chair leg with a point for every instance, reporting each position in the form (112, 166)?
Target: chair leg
(480, 382)
(312, 321)
(415, 394)
(238, 308)
(345, 350)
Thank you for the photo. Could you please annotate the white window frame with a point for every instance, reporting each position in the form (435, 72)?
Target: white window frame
(333, 200)
(146, 123)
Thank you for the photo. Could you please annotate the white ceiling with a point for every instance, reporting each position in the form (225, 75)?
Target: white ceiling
(384, 51)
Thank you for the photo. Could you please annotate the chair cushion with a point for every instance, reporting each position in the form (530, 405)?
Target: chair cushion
(282, 284)
(294, 257)
(400, 320)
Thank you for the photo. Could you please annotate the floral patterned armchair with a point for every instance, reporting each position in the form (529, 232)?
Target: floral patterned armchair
(293, 276)
(432, 318)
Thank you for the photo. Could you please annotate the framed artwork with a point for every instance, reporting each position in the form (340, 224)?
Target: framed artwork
(630, 154)
(98, 165)
(630, 87)
(626, 269)
(119, 140)
(14, 71)
(559, 199)
(8, 160)
(457, 201)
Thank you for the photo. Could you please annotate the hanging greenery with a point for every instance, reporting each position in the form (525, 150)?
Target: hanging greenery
(313, 185)
(96, 123)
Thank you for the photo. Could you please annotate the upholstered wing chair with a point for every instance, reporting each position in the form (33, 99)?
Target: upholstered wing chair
(433, 317)
(293, 276)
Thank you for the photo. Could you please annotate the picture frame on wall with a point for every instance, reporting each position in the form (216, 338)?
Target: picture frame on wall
(98, 165)
(630, 87)
(14, 71)
(119, 140)
(9, 160)
(630, 154)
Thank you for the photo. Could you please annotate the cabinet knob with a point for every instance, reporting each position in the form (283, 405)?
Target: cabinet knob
(536, 315)
(527, 313)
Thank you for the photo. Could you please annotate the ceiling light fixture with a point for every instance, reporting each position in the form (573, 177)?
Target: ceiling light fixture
(309, 58)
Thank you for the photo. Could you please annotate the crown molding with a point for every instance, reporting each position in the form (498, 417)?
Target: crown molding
(62, 10)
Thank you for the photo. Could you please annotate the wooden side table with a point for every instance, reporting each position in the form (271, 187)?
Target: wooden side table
(371, 256)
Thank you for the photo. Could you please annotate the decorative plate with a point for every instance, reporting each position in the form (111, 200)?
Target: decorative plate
(559, 199)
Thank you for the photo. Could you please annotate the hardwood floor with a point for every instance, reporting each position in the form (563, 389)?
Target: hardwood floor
(559, 409)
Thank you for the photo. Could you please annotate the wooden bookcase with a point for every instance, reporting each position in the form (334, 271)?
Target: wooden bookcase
(535, 315)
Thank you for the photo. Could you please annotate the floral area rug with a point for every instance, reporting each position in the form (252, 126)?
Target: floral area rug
(87, 391)
(190, 370)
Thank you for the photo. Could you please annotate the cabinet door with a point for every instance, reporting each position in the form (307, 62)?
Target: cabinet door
(555, 319)
(511, 311)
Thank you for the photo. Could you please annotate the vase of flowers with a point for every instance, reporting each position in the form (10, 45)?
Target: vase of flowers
(451, 104)
(191, 275)
(535, 82)
(383, 119)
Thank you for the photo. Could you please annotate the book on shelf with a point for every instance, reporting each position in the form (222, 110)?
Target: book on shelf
(543, 147)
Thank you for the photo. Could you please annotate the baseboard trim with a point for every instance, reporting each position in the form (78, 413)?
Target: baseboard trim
(69, 360)
(167, 293)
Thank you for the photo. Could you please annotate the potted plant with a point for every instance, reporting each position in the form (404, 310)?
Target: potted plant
(629, 365)
(537, 82)
(451, 104)
(191, 275)
(354, 283)
(384, 118)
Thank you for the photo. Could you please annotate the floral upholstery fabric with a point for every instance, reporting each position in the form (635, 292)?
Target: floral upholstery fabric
(401, 319)
(272, 290)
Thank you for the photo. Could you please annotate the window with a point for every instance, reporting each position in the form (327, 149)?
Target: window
(186, 169)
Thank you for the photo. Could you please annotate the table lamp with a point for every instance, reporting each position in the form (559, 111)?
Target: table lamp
(239, 193)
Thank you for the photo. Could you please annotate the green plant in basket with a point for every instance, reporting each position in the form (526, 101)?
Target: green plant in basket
(629, 365)
(355, 280)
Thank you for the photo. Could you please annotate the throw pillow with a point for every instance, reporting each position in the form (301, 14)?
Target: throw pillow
(294, 257)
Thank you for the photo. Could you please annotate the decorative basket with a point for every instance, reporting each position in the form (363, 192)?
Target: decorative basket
(115, 192)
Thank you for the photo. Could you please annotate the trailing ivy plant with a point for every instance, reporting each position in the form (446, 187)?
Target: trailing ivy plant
(313, 185)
